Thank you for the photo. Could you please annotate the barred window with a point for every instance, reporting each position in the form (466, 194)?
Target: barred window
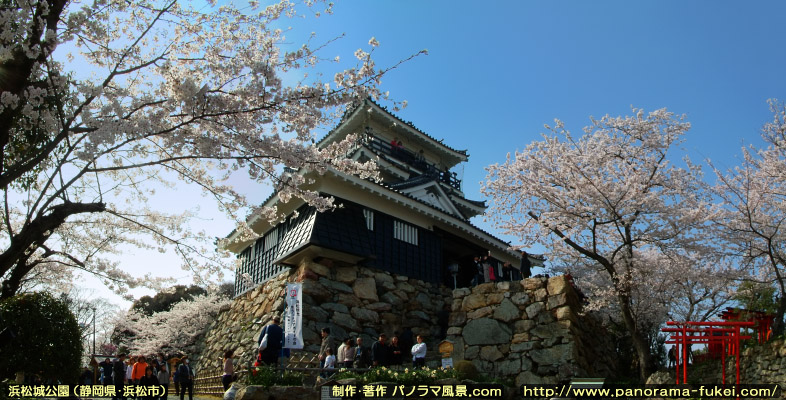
(405, 232)
(271, 239)
(369, 218)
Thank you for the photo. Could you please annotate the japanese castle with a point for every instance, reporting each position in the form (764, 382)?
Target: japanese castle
(414, 221)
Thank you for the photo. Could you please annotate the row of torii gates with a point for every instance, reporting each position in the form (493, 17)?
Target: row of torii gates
(721, 337)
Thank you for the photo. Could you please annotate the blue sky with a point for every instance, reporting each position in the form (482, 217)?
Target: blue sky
(497, 71)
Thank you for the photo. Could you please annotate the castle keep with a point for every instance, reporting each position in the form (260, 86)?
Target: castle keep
(414, 222)
(387, 261)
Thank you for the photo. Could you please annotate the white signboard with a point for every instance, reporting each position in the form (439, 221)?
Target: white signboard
(293, 317)
(447, 363)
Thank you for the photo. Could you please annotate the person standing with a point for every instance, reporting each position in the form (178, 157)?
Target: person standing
(380, 353)
(526, 265)
(176, 377)
(106, 372)
(346, 354)
(361, 354)
(406, 340)
(489, 273)
(330, 363)
(275, 339)
(419, 353)
(479, 276)
(130, 370)
(119, 375)
(150, 381)
(163, 380)
(186, 377)
(138, 370)
(328, 342)
(87, 377)
(509, 273)
(229, 370)
(395, 352)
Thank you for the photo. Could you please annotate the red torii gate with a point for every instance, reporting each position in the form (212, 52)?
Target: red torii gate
(729, 340)
(762, 319)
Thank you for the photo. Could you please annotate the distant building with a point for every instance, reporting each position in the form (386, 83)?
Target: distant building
(414, 222)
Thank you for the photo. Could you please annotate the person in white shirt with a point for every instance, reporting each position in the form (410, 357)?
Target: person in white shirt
(330, 362)
(346, 354)
(419, 353)
(130, 369)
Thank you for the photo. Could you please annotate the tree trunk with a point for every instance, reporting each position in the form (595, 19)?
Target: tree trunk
(777, 325)
(639, 343)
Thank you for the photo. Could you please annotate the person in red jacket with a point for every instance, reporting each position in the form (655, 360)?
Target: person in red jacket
(138, 370)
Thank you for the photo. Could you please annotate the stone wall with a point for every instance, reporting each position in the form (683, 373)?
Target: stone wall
(765, 363)
(350, 301)
(529, 331)
(759, 364)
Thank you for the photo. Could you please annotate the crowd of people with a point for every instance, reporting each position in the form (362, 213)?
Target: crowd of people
(333, 353)
(354, 354)
(348, 352)
(488, 270)
(136, 370)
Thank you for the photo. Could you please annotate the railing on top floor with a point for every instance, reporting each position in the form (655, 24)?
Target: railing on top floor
(380, 146)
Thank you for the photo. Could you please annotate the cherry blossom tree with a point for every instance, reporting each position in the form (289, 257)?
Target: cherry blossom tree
(173, 331)
(610, 198)
(94, 315)
(754, 215)
(103, 102)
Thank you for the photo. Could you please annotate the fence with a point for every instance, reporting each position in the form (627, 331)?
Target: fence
(307, 363)
(304, 362)
(212, 386)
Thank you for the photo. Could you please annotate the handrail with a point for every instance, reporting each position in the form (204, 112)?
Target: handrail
(411, 159)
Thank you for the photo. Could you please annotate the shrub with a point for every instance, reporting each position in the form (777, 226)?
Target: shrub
(467, 370)
(268, 376)
(44, 339)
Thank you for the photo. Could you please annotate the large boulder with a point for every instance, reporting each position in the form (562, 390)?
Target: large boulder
(507, 311)
(508, 367)
(534, 309)
(335, 286)
(486, 331)
(392, 299)
(555, 355)
(366, 288)
(490, 353)
(345, 321)
(474, 301)
(362, 314)
(557, 285)
(335, 307)
(317, 291)
(346, 274)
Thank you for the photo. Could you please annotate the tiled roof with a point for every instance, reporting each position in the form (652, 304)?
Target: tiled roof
(418, 180)
(351, 110)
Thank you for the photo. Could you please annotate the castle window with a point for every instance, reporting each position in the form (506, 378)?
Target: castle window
(369, 215)
(405, 232)
(271, 239)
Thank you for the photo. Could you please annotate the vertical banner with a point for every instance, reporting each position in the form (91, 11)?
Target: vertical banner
(293, 317)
